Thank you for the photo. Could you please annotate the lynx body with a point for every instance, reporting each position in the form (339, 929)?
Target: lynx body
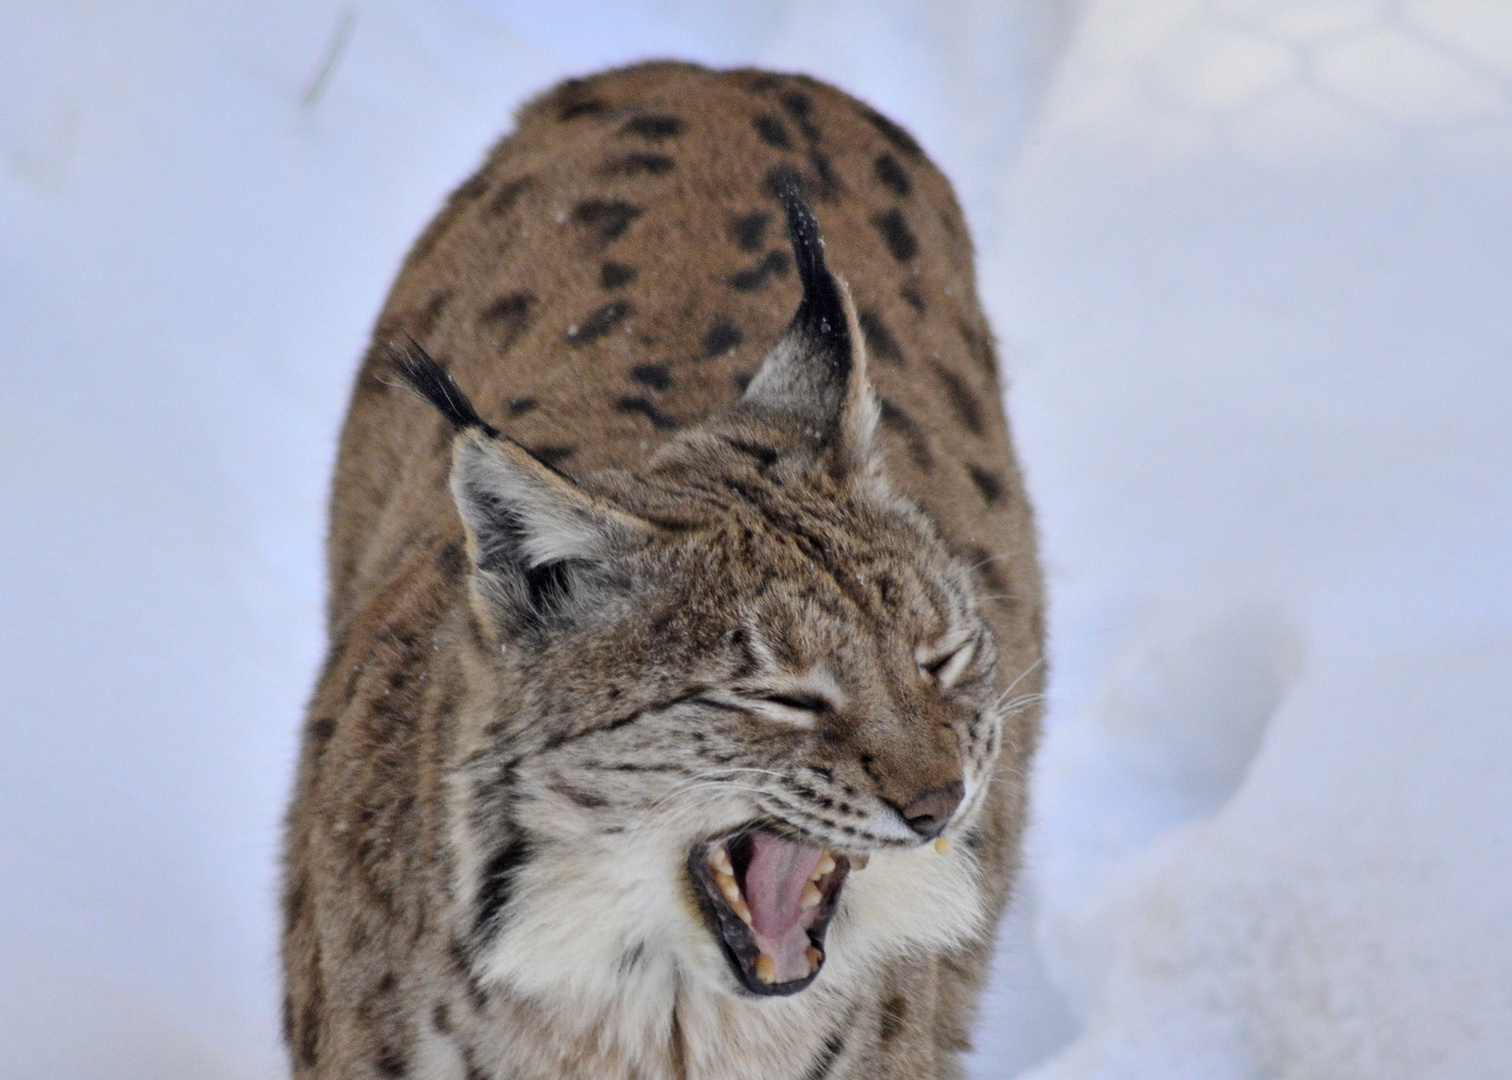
(683, 673)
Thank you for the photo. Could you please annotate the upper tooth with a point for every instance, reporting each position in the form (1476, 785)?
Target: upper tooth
(826, 866)
(727, 886)
(858, 862)
(719, 859)
(811, 896)
(739, 906)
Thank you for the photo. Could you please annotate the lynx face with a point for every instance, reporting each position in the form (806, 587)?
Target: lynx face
(723, 685)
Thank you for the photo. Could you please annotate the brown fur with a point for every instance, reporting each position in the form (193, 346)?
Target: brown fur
(611, 277)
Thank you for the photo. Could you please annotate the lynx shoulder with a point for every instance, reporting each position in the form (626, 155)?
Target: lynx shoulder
(685, 647)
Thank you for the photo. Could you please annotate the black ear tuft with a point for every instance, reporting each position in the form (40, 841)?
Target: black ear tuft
(429, 380)
(821, 314)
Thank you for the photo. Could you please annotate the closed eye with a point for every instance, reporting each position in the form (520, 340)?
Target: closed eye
(803, 702)
(947, 660)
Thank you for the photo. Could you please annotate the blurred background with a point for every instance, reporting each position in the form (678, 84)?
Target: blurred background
(1250, 265)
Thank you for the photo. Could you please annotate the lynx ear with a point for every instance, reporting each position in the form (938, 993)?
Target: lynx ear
(542, 548)
(816, 374)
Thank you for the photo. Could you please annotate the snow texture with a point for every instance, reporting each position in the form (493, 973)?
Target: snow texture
(1249, 263)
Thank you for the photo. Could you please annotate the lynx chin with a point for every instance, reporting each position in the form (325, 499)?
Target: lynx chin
(685, 619)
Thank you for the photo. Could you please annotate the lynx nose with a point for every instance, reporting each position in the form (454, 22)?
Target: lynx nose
(927, 812)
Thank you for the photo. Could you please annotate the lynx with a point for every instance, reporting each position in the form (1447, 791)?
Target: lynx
(685, 648)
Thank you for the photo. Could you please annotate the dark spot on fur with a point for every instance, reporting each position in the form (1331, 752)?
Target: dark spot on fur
(827, 183)
(743, 381)
(979, 345)
(656, 376)
(309, 1031)
(498, 885)
(392, 1062)
(552, 454)
(576, 109)
(894, 1012)
(616, 275)
(505, 198)
(506, 319)
(772, 131)
(967, 409)
(824, 1064)
(642, 406)
(441, 1018)
(473, 187)
(879, 340)
(896, 234)
(629, 960)
(653, 126)
(638, 165)
(519, 406)
(801, 108)
(451, 561)
(988, 483)
(321, 730)
(753, 278)
(586, 799)
(900, 139)
(425, 321)
(764, 456)
(605, 219)
(599, 322)
(748, 230)
(578, 102)
(286, 1019)
(761, 83)
(913, 436)
(891, 175)
(723, 337)
(912, 297)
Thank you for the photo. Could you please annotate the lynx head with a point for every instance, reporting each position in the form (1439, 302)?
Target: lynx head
(706, 695)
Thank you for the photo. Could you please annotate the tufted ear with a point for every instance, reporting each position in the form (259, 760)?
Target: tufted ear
(543, 549)
(816, 374)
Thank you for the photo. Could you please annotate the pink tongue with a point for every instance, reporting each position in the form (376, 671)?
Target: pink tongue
(774, 881)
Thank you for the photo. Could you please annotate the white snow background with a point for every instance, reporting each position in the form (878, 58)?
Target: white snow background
(1250, 262)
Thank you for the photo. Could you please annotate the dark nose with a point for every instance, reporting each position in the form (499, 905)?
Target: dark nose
(927, 812)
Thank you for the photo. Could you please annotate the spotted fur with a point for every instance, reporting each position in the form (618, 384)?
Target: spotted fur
(665, 560)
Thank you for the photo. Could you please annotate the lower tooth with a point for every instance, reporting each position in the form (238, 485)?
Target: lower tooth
(738, 905)
(766, 969)
(811, 897)
(815, 957)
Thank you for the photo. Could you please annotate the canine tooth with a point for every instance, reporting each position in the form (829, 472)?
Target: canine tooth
(739, 906)
(811, 897)
(815, 956)
(858, 862)
(719, 859)
(826, 866)
(942, 844)
(766, 969)
(727, 886)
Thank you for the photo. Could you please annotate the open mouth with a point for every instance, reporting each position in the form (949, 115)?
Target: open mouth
(768, 899)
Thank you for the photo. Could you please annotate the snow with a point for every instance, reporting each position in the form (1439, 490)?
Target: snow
(1248, 262)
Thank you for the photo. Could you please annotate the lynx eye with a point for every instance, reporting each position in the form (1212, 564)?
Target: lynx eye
(803, 702)
(799, 702)
(946, 660)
